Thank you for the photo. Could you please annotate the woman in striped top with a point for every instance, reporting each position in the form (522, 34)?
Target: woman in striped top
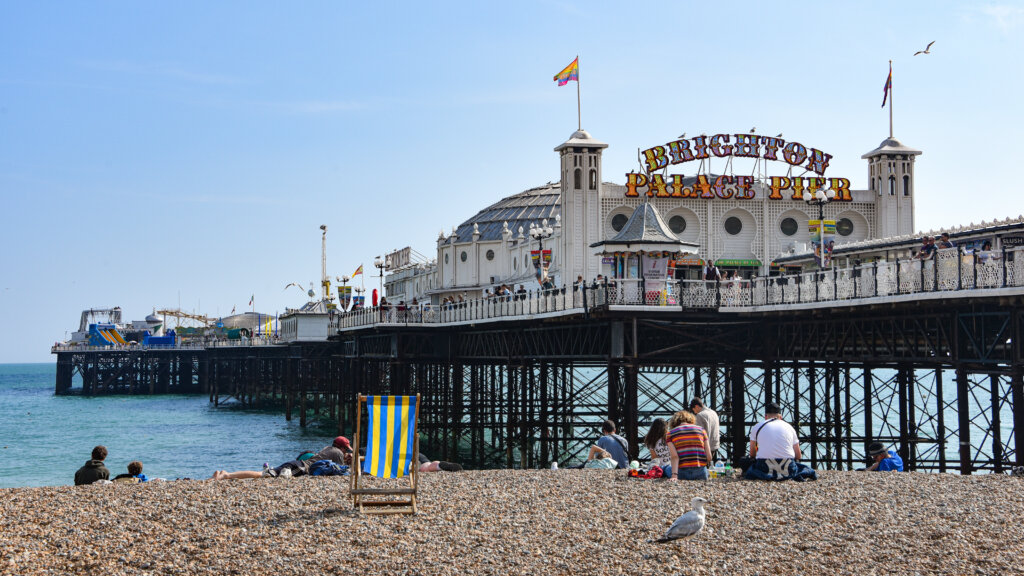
(688, 447)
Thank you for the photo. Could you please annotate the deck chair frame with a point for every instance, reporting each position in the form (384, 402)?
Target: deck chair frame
(383, 500)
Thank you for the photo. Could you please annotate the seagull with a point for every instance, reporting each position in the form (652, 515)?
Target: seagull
(296, 284)
(681, 136)
(687, 525)
(926, 49)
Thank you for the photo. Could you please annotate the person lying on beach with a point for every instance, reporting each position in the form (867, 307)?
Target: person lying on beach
(339, 452)
(428, 465)
(601, 459)
(134, 473)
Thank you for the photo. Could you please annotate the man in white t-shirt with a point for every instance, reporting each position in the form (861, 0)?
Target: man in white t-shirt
(774, 438)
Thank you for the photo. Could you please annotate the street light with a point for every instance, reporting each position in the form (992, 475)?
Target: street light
(378, 263)
(539, 233)
(819, 199)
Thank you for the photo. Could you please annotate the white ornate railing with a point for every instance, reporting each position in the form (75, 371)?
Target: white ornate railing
(949, 270)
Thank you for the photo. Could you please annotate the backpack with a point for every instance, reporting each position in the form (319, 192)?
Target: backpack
(327, 468)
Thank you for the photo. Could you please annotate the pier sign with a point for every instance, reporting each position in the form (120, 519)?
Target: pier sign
(732, 186)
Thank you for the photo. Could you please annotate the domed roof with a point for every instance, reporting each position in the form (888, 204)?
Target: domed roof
(520, 209)
(581, 139)
(891, 146)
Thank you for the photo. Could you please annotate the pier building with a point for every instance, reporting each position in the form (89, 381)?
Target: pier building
(743, 223)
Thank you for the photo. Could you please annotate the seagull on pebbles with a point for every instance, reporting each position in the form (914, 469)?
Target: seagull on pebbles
(687, 525)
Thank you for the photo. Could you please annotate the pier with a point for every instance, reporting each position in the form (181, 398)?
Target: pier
(925, 356)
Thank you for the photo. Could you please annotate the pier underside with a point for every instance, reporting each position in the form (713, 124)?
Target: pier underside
(939, 381)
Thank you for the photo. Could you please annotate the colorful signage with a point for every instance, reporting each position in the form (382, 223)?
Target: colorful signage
(735, 187)
(750, 262)
(686, 262)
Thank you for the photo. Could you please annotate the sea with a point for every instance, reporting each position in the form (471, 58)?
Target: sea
(45, 438)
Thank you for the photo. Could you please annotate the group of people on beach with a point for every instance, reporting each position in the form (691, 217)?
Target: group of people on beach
(686, 446)
(95, 470)
(682, 448)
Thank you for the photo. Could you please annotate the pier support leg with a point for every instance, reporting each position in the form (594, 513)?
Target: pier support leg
(738, 419)
(1017, 386)
(964, 420)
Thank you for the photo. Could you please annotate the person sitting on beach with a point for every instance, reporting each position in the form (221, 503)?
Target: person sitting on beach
(775, 450)
(657, 445)
(614, 444)
(688, 448)
(134, 473)
(601, 459)
(885, 460)
(94, 469)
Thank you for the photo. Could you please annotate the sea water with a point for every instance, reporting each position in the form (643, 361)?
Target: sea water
(44, 438)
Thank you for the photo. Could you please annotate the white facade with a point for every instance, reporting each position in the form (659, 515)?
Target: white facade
(493, 247)
(304, 327)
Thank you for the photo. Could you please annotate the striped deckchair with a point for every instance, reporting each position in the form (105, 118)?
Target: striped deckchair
(392, 451)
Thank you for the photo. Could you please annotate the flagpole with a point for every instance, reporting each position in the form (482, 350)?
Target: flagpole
(890, 99)
(579, 115)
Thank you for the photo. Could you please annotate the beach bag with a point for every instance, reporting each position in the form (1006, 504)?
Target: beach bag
(327, 468)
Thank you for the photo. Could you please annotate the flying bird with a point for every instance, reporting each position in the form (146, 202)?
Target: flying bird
(687, 525)
(926, 49)
(681, 136)
(779, 135)
(296, 284)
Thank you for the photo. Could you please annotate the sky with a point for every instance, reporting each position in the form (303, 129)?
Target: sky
(185, 154)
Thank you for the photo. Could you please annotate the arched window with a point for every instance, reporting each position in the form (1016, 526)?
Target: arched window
(593, 179)
(906, 185)
(578, 179)
(892, 185)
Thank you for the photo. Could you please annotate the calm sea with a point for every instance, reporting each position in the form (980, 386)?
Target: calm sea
(44, 438)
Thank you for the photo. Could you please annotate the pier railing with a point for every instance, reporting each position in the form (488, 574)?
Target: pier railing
(190, 345)
(948, 271)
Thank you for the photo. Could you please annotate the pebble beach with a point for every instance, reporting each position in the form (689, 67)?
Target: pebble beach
(521, 522)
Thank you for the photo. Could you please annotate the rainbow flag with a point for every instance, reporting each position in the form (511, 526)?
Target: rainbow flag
(358, 271)
(571, 72)
(888, 86)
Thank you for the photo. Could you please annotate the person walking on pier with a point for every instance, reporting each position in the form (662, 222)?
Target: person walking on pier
(708, 420)
(614, 444)
(94, 469)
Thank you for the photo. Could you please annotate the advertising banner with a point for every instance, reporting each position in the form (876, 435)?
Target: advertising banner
(822, 240)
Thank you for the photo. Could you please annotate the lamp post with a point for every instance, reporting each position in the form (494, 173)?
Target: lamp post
(359, 294)
(344, 284)
(378, 263)
(819, 199)
(539, 233)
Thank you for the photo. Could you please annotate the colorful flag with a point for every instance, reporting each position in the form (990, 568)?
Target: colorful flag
(232, 309)
(571, 72)
(251, 298)
(888, 86)
(358, 271)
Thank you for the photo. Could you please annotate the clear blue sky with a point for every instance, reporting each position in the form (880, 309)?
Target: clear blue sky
(157, 153)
